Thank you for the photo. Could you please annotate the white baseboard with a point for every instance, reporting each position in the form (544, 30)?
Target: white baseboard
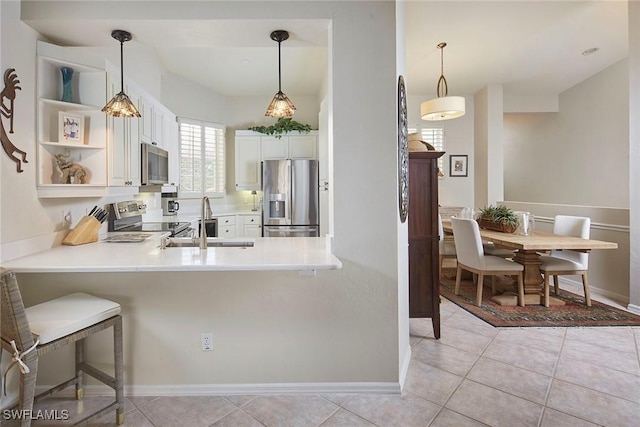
(575, 287)
(404, 369)
(236, 389)
(633, 308)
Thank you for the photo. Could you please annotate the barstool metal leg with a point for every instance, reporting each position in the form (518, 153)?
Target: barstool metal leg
(118, 362)
(79, 373)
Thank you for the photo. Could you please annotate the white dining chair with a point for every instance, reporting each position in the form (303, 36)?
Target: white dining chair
(447, 249)
(567, 262)
(471, 257)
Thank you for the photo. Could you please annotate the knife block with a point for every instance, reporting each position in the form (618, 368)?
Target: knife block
(86, 231)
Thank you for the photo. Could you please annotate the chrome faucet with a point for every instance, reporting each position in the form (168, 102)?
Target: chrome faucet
(205, 214)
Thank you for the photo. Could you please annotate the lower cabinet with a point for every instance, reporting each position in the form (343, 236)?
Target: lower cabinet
(251, 226)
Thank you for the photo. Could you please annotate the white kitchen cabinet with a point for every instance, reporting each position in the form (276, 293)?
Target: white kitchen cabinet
(124, 142)
(146, 121)
(251, 225)
(157, 137)
(247, 162)
(227, 226)
(89, 150)
(172, 145)
(293, 146)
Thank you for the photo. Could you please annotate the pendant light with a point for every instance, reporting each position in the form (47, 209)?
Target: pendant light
(120, 105)
(281, 105)
(443, 107)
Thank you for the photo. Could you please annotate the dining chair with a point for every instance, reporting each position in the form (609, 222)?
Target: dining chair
(567, 262)
(447, 249)
(28, 333)
(471, 257)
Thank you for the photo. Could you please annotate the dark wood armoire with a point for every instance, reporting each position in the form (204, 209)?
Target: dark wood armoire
(424, 282)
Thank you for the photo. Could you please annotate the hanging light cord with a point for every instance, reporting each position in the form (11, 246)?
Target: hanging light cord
(279, 69)
(121, 66)
(442, 82)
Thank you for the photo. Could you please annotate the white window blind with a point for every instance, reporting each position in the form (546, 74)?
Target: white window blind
(435, 137)
(202, 159)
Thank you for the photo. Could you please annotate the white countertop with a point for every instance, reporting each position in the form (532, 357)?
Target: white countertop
(272, 253)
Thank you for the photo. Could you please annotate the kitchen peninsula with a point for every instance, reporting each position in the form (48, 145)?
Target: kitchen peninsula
(305, 254)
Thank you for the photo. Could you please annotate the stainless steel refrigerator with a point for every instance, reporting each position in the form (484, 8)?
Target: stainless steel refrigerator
(290, 198)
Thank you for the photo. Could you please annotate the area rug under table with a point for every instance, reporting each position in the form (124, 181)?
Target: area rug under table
(573, 313)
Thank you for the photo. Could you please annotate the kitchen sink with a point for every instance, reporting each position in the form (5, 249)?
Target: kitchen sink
(188, 242)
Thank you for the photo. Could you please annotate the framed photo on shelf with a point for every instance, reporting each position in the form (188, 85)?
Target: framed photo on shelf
(70, 128)
(458, 165)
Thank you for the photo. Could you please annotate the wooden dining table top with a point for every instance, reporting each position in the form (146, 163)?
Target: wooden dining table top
(538, 241)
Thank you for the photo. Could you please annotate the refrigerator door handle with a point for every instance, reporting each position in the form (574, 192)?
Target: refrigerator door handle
(292, 202)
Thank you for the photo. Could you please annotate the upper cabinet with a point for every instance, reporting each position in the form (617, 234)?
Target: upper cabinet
(72, 136)
(247, 155)
(252, 147)
(291, 146)
(124, 141)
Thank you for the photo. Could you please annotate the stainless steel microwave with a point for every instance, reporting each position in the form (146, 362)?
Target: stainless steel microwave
(154, 165)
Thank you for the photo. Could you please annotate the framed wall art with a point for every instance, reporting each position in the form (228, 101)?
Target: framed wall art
(458, 165)
(70, 128)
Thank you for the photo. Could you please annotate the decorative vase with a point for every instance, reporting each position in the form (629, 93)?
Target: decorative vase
(67, 78)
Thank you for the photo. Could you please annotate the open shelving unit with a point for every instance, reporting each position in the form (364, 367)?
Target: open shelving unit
(89, 86)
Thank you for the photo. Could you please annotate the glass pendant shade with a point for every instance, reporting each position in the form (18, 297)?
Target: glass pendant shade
(280, 106)
(443, 107)
(120, 105)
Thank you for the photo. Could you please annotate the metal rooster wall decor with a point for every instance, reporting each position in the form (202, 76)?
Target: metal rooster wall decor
(9, 92)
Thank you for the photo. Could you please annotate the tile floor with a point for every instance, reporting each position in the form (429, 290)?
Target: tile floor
(474, 375)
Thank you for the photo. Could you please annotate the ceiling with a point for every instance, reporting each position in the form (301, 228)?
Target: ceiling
(530, 47)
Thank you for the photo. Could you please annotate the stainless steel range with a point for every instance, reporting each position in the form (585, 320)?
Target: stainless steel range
(127, 216)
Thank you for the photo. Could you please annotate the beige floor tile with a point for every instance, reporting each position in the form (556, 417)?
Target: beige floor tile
(240, 399)
(522, 356)
(344, 418)
(290, 410)
(445, 357)
(430, 382)
(619, 339)
(546, 339)
(511, 379)
(187, 411)
(338, 398)
(593, 406)
(421, 328)
(393, 410)
(553, 418)
(139, 401)
(600, 378)
(461, 339)
(468, 322)
(448, 418)
(237, 418)
(601, 356)
(133, 418)
(494, 407)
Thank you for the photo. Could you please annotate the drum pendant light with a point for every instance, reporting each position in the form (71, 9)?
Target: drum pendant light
(281, 105)
(443, 107)
(120, 105)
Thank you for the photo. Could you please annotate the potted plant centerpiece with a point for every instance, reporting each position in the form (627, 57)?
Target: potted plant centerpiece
(498, 218)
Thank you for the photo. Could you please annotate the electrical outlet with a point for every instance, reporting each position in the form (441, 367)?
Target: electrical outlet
(66, 218)
(206, 339)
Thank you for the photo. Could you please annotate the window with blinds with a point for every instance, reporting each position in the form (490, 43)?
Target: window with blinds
(435, 137)
(202, 159)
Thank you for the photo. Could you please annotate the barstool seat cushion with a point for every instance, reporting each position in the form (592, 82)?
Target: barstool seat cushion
(65, 315)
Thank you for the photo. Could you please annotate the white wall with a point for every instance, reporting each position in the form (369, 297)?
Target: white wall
(341, 326)
(459, 139)
(577, 156)
(634, 153)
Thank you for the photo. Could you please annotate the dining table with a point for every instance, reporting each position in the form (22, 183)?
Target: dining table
(528, 250)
